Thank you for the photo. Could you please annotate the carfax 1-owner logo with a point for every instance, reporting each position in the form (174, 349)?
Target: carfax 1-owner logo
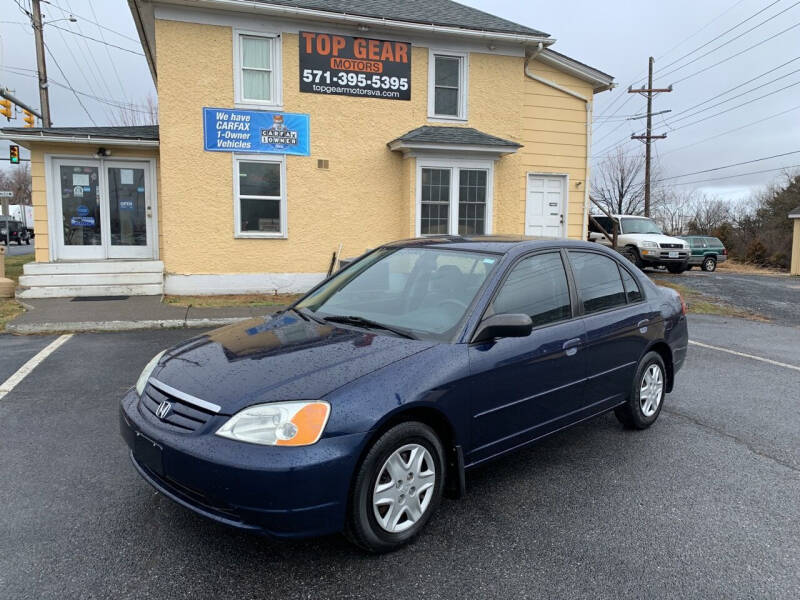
(255, 131)
(351, 66)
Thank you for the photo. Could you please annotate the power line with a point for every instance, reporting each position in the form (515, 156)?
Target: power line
(723, 34)
(713, 137)
(746, 162)
(88, 37)
(69, 12)
(732, 56)
(88, 114)
(108, 53)
(737, 175)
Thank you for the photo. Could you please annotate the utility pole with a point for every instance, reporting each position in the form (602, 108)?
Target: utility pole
(38, 34)
(648, 137)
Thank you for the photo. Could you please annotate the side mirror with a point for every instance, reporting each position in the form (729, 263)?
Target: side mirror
(512, 325)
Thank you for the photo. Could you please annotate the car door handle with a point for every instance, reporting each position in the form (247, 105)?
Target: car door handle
(570, 347)
(642, 325)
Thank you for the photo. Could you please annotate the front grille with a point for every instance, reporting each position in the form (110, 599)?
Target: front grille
(671, 245)
(182, 416)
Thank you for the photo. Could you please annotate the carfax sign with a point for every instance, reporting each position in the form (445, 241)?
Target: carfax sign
(348, 66)
(227, 130)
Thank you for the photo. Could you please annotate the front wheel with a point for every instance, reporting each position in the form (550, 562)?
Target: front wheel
(397, 488)
(647, 395)
(709, 264)
(632, 255)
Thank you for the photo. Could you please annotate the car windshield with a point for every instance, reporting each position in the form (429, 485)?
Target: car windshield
(420, 292)
(639, 226)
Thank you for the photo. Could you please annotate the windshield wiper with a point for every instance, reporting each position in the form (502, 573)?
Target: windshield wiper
(362, 322)
(303, 313)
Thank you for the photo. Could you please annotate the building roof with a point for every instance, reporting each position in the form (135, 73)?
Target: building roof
(144, 132)
(428, 134)
(795, 214)
(444, 13)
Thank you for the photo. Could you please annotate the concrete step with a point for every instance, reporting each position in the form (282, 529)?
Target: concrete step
(103, 266)
(90, 279)
(70, 291)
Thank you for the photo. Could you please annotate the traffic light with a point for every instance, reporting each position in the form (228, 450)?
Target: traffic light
(13, 154)
(6, 109)
(29, 119)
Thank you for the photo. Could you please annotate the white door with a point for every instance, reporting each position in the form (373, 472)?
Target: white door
(545, 205)
(103, 210)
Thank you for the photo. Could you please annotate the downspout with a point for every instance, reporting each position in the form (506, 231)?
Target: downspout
(588, 103)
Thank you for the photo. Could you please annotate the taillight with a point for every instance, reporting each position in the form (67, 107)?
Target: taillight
(724, 252)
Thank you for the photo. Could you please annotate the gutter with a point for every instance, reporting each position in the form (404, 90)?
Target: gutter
(64, 139)
(588, 103)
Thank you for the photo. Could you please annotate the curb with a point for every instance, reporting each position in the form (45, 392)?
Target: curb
(90, 326)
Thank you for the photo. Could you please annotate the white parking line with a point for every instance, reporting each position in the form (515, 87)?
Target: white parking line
(25, 370)
(734, 352)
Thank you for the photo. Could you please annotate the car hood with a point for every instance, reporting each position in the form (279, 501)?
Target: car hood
(283, 358)
(659, 238)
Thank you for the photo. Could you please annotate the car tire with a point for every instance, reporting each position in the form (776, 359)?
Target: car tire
(632, 254)
(709, 264)
(403, 509)
(647, 394)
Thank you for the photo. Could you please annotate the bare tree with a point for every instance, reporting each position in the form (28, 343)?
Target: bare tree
(132, 115)
(618, 183)
(709, 214)
(673, 209)
(18, 181)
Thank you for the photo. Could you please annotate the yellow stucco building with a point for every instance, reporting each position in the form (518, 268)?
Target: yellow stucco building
(290, 128)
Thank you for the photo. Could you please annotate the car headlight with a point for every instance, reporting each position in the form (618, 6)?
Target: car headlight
(646, 244)
(146, 372)
(278, 423)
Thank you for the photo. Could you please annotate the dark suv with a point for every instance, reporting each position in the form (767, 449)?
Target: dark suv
(15, 230)
(707, 251)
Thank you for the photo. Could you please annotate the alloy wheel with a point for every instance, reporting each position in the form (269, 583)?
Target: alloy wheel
(651, 390)
(404, 488)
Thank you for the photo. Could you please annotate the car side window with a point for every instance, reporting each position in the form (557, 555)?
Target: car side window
(598, 281)
(536, 286)
(632, 290)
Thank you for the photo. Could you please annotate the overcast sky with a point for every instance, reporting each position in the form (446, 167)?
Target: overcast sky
(614, 36)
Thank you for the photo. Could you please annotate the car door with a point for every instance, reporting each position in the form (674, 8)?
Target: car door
(521, 388)
(619, 325)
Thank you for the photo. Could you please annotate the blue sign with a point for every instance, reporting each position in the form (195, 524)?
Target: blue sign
(255, 131)
(82, 221)
(83, 211)
(126, 204)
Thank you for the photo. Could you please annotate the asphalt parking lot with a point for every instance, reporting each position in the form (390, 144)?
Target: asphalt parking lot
(702, 505)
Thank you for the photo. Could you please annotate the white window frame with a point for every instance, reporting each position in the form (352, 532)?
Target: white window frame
(237, 209)
(277, 77)
(463, 88)
(454, 166)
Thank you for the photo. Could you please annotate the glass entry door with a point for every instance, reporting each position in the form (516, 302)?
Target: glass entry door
(129, 210)
(104, 209)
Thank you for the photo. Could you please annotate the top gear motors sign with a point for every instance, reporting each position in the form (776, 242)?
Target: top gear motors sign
(347, 66)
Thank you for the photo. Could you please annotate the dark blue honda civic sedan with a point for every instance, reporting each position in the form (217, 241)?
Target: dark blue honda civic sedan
(358, 407)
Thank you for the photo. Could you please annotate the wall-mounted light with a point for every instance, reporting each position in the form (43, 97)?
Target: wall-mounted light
(101, 152)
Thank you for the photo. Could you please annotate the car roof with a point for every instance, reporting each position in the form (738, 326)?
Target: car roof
(498, 244)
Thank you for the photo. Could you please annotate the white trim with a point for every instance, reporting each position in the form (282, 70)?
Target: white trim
(422, 148)
(454, 164)
(276, 82)
(22, 138)
(52, 183)
(270, 158)
(600, 80)
(239, 283)
(565, 199)
(463, 85)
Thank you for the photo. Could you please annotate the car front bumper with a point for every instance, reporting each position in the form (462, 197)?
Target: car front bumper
(658, 256)
(279, 491)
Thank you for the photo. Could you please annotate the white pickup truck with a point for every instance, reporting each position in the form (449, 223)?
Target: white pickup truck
(643, 242)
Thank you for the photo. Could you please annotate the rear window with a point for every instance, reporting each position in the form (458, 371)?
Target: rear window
(715, 242)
